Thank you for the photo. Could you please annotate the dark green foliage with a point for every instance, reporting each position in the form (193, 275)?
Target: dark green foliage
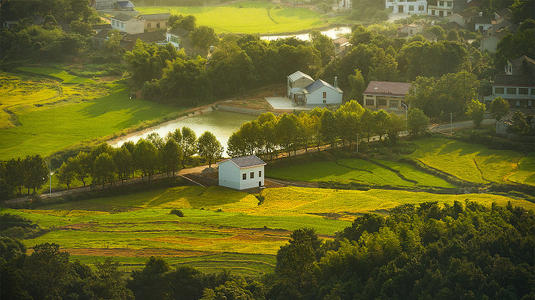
(416, 252)
(177, 212)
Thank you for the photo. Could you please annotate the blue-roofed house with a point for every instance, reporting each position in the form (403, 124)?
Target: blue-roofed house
(303, 90)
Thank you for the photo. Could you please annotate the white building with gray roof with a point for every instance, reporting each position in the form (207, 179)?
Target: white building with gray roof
(242, 173)
(303, 90)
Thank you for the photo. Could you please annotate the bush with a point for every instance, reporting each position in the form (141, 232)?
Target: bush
(177, 212)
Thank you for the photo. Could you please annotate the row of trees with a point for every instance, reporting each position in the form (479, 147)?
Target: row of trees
(147, 157)
(426, 251)
(15, 174)
(348, 124)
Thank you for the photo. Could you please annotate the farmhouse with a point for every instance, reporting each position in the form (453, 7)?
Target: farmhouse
(517, 85)
(155, 22)
(407, 7)
(303, 90)
(242, 173)
(127, 24)
(385, 95)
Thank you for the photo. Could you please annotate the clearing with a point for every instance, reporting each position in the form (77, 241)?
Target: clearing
(260, 17)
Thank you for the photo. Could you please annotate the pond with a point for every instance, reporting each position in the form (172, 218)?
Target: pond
(333, 33)
(222, 124)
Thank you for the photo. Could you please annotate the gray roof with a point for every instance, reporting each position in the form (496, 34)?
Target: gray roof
(318, 84)
(156, 17)
(297, 75)
(247, 161)
(122, 17)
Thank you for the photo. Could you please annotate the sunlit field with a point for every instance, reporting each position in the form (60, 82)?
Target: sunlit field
(221, 228)
(248, 17)
(45, 110)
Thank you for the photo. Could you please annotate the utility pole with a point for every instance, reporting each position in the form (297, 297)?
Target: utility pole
(406, 116)
(451, 123)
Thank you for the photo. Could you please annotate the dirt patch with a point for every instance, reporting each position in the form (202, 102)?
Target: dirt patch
(126, 252)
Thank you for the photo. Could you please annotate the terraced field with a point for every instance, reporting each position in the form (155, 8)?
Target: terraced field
(44, 110)
(252, 17)
(359, 171)
(476, 163)
(221, 228)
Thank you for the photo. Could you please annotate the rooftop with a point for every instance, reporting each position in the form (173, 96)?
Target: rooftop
(155, 17)
(388, 88)
(318, 84)
(247, 161)
(297, 75)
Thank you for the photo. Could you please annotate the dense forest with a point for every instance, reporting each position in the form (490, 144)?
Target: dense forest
(459, 251)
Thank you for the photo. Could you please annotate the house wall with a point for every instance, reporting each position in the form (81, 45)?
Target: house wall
(132, 26)
(316, 97)
(231, 176)
(444, 8)
(105, 4)
(299, 83)
(388, 103)
(173, 40)
(489, 43)
(407, 7)
(514, 95)
(153, 25)
(482, 27)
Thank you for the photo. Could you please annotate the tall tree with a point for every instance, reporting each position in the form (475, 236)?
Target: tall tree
(209, 148)
(188, 144)
(171, 155)
(476, 111)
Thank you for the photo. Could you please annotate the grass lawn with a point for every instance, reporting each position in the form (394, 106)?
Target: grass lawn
(221, 228)
(48, 115)
(476, 163)
(358, 171)
(248, 17)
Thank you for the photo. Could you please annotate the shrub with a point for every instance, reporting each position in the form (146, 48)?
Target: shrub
(177, 212)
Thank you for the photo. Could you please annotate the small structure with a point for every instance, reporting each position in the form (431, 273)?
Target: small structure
(410, 30)
(242, 173)
(416, 7)
(482, 23)
(517, 85)
(341, 45)
(154, 22)
(343, 4)
(303, 90)
(385, 95)
(127, 24)
(442, 8)
(173, 37)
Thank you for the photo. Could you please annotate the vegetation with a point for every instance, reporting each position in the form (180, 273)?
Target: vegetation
(254, 17)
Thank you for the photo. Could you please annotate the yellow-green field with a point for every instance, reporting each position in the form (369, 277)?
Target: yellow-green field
(476, 163)
(221, 228)
(44, 110)
(249, 17)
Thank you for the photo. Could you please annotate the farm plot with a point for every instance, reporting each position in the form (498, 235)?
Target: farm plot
(221, 228)
(475, 163)
(358, 171)
(248, 17)
(42, 115)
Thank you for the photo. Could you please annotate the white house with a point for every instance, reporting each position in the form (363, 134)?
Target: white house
(442, 8)
(173, 38)
(303, 90)
(242, 173)
(416, 7)
(343, 4)
(128, 24)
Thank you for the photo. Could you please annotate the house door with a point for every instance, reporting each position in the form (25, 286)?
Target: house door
(260, 184)
(400, 9)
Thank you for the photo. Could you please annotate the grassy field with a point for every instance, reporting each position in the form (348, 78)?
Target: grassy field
(358, 171)
(476, 163)
(45, 114)
(221, 228)
(248, 17)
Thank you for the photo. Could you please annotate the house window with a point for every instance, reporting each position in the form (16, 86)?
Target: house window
(324, 95)
(421, 8)
(158, 25)
(523, 91)
(517, 103)
(149, 25)
(251, 175)
(381, 102)
(499, 90)
(532, 91)
(511, 91)
(394, 103)
(244, 176)
(259, 173)
(530, 103)
(432, 12)
(324, 101)
(411, 8)
(370, 102)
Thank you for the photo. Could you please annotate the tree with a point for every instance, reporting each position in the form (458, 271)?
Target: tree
(476, 111)
(519, 124)
(357, 85)
(381, 120)
(66, 174)
(202, 38)
(417, 121)
(171, 155)
(81, 165)
(395, 125)
(35, 172)
(123, 161)
(156, 140)
(146, 157)
(188, 144)
(150, 283)
(103, 169)
(367, 124)
(324, 45)
(499, 108)
(209, 148)
(175, 135)
(286, 132)
(328, 128)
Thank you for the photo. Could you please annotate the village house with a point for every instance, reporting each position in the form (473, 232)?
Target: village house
(242, 173)
(386, 95)
(442, 8)
(173, 37)
(341, 45)
(517, 85)
(407, 7)
(410, 30)
(343, 4)
(127, 24)
(482, 23)
(154, 22)
(303, 90)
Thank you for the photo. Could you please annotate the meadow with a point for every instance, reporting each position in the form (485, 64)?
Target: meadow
(476, 163)
(354, 170)
(260, 17)
(47, 109)
(221, 228)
